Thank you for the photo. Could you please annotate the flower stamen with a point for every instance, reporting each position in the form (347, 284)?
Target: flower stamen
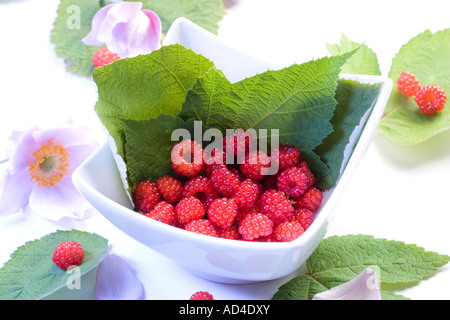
(49, 165)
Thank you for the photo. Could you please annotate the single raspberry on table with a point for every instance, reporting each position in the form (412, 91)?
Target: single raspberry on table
(431, 99)
(202, 295)
(276, 206)
(254, 226)
(202, 226)
(288, 156)
(68, 253)
(170, 188)
(311, 199)
(222, 212)
(163, 212)
(104, 56)
(187, 158)
(293, 182)
(288, 231)
(408, 84)
(189, 209)
(247, 193)
(256, 165)
(224, 181)
(201, 188)
(304, 216)
(146, 196)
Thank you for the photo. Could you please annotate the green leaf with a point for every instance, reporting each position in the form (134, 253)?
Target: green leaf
(148, 147)
(205, 13)
(31, 274)
(73, 23)
(426, 56)
(354, 100)
(298, 101)
(364, 61)
(143, 87)
(339, 259)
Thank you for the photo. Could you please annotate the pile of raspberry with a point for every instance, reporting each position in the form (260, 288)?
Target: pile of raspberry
(237, 201)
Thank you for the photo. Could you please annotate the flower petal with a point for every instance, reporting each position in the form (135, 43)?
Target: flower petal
(364, 287)
(14, 191)
(117, 281)
(99, 27)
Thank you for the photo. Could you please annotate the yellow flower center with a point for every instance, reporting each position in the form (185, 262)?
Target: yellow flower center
(50, 163)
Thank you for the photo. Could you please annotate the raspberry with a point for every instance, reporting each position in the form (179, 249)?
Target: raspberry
(187, 158)
(146, 196)
(202, 295)
(256, 165)
(254, 226)
(247, 193)
(201, 188)
(222, 212)
(170, 188)
(228, 233)
(311, 199)
(431, 99)
(303, 165)
(293, 182)
(224, 181)
(288, 231)
(189, 209)
(237, 144)
(163, 212)
(408, 84)
(304, 216)
(288, 156)
(276, 206)
(242, 212)
(202, 226)
(104, 56)
(68, 253)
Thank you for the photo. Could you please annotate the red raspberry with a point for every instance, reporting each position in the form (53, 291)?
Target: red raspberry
(217, 157)
(170, 188)
(231, 233)
(222, 212)
(189, 209)
(146, 196)
(237, 145)
(293, 182)
(242, 212)
(202, 295)
(408, 84)
(288, 231)
(163, 212)
(431, 99)
(68, 253)
(288, 156)
(303, 165)
(255, 225)
(104, 56)
(187, 158)
(201, 188)
(304, 216)
(202, 226)
(311, 199)
(247, 193)
(276, 206)
(224, 181)
(256, 165)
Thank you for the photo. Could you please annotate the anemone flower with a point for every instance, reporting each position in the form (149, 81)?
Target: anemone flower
(126, 29)
(39, 175)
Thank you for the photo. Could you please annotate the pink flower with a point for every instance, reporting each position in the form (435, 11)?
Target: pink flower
(40, 171)
(125, 29)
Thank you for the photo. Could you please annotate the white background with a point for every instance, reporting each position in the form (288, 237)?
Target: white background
(398, 193)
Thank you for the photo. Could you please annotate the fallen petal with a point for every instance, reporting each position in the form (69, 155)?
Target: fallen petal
(364, 287)
(117, 281)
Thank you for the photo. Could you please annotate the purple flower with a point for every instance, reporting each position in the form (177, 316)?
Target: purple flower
(40, 170)
(125, 29)
(117, 281)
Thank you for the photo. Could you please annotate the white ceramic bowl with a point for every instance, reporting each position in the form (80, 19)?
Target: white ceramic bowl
(220, 260)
